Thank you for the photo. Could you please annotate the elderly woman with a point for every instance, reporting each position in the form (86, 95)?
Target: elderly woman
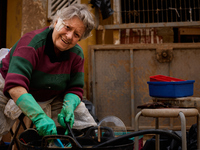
(44, 64)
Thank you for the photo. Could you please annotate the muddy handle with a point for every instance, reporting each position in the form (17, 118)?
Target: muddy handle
(47, 138)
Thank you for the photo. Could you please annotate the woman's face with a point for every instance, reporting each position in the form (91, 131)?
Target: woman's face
(68, 36)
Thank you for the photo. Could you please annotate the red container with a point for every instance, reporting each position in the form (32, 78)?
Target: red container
(163, 78)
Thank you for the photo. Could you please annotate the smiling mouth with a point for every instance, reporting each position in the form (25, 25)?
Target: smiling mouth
(64, 41)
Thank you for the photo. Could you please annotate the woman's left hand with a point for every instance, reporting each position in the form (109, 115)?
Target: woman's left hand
(71, 101)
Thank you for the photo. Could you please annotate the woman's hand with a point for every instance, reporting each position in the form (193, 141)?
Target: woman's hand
(28, 105)
(71, 101)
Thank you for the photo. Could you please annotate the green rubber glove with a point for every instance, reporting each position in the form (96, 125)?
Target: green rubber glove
(71, 101)
(44, 124)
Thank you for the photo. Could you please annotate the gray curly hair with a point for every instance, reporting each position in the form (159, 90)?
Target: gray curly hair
(79, 10)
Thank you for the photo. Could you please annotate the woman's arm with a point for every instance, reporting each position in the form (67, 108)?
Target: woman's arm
(16, 92)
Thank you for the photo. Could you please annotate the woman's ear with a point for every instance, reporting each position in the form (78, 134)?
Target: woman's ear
(55, 23)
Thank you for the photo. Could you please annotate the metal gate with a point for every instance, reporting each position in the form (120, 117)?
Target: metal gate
(118, 76)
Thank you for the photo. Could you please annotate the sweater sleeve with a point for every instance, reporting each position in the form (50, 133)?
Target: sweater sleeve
(22, 61)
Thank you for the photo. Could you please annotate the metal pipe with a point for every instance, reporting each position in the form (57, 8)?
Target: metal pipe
(157, 143)
(183, 130)
(136, 129)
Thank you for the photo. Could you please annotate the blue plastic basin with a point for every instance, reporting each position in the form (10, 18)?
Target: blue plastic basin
(171, 89)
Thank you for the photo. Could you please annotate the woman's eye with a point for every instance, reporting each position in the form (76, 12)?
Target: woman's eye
(66, 27)
(77, 35)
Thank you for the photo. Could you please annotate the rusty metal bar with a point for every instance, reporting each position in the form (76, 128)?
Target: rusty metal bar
(157, 11)
(194, 10)
(171, 11)
(143, 12)
(125, 12)
(139, 12)
(152, 25)
(162, 10)
(153, 12)
(180, 11)
(189, 4)
(199, 8)
(176, 46)
(148, 10)
(129, 12)
(132, 88)
(185, 10)
(176, 12)
(190, 11)
(134, 11)
(167, 17)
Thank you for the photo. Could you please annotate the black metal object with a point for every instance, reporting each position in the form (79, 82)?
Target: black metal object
(138, 133)
(88, 141)
(72, 134)
(30, 140)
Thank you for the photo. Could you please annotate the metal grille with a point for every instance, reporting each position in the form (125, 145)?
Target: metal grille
(157, 11)
(54, 5)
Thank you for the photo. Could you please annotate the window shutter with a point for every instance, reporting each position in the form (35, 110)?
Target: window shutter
(54, 5)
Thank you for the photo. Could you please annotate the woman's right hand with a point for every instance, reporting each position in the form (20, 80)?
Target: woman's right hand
(44, 124)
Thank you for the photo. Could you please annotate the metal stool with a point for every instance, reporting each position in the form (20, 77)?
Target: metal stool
(168, 113)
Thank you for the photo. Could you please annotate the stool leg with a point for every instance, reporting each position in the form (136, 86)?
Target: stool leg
(136, 145)
(157, 136)
(14, 137)
(183, 131)
(198, 132)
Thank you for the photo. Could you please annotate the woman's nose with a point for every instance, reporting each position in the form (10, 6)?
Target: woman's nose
(69, 34)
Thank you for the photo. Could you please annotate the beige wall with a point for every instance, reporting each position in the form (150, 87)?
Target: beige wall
(27, 15)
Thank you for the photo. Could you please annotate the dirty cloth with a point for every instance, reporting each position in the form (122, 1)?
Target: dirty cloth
(82, 116)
